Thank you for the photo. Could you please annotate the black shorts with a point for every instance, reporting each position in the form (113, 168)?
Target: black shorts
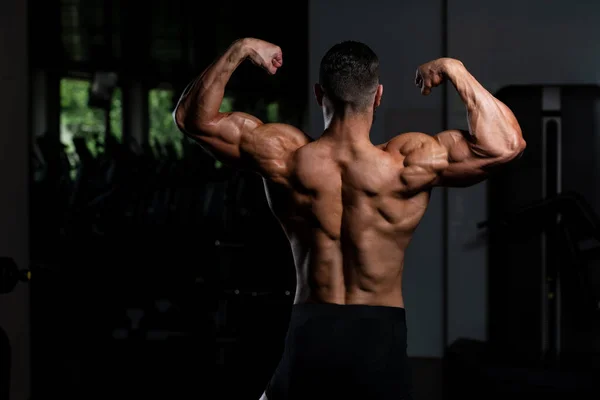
(343, 352)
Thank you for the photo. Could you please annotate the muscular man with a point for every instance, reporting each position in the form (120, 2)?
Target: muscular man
(348, 207)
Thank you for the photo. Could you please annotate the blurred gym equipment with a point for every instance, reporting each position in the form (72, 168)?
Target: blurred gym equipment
(560, 124)
(11, 275)
(571, 362)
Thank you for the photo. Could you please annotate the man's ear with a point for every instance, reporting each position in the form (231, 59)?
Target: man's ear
(319, 94)
(378, 96)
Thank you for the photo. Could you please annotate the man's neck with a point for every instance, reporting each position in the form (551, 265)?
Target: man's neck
(349, 127)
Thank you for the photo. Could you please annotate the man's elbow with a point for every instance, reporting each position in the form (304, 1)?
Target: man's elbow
(515, 146)
(521, 148)
(180, 118)
(186, 123)
(190, 125)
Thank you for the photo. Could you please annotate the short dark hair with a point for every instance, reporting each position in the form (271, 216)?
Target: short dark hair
(349, 75)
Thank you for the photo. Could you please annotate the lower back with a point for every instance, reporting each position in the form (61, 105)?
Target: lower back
(344, 273)
(348, 295)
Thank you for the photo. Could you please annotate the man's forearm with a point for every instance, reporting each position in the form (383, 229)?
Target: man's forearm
(200, 102)
(494, 129)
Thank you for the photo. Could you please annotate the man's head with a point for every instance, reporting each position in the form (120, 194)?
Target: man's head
(349, 78)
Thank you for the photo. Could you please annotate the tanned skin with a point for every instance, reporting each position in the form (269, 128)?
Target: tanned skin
(349, 208)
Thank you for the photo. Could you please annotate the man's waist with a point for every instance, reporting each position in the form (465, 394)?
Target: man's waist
(312, 309)
(388, 296)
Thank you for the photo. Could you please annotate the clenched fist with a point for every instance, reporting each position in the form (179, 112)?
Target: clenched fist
(265, 54)
(432, 74)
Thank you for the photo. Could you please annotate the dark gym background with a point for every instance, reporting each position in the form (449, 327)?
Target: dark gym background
(155, 270)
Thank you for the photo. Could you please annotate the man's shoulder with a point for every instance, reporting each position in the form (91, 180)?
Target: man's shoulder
(407, 139)
(280, 139)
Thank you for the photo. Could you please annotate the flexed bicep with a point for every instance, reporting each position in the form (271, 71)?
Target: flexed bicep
(245, 142)
(222, 137)
(494, 137)
(450, 158)
(468, 164)
(465, 166)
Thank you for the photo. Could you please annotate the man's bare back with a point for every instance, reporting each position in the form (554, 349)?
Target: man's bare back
(349, 208)
(349, 219)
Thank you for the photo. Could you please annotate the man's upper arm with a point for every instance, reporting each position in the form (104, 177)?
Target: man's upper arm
(467, 165)
(246, 142)
(446, 159)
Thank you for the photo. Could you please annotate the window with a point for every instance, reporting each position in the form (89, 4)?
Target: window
(163, 130)
(273, 112)
(78, 119)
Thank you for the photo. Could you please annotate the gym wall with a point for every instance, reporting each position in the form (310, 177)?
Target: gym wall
(14, 183)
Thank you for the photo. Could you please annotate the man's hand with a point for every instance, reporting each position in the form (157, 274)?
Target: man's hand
(433, 73)
(265, 54)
